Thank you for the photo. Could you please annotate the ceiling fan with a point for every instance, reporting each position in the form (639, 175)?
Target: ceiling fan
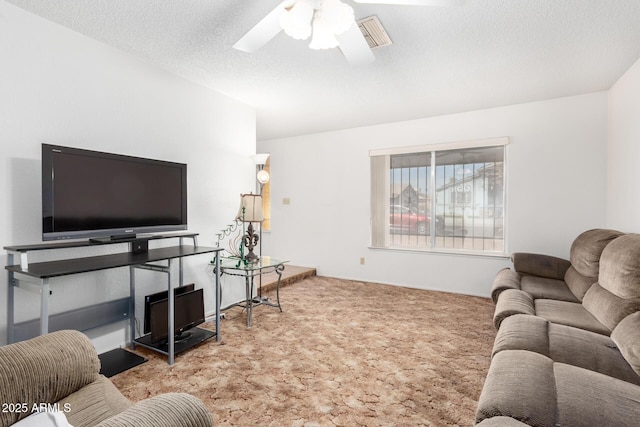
(331, 22)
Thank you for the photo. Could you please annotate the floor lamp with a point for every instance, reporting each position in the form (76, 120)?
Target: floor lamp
(262, 178)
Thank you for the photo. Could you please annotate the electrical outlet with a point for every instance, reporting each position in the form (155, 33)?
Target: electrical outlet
(286, 201)
(361, 260)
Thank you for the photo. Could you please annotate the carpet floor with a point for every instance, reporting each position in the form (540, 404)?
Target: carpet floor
(343, 353)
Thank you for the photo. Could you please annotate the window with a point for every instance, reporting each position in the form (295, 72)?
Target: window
(440, 197)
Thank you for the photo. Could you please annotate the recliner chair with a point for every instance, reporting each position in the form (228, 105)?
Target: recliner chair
(63, 368)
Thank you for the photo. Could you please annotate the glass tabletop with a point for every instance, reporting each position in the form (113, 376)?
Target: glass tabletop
(236, 263)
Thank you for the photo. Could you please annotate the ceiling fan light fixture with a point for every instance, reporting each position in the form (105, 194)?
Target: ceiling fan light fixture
(296, 20)
(323, 18)
(338, 15)
(331, 23)
(323, 35)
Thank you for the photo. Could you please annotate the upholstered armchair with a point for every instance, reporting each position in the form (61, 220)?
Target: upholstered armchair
(61, 370)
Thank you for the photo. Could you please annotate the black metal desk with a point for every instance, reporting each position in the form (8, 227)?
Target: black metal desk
(36, 276)
(249, 270)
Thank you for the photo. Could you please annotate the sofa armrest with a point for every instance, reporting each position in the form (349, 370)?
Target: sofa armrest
(520, 384)
(505, 279)
(540, 265)
(165, 410)
(510, 302)
(45, 369)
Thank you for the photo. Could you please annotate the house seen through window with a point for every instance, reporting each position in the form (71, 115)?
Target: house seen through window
(440, 197)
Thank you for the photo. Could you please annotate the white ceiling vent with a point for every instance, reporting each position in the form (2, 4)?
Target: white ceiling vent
(373, 32)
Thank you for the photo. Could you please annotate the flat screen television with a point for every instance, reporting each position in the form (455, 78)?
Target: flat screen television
(188, 313)
(89, 194)
(159, 296)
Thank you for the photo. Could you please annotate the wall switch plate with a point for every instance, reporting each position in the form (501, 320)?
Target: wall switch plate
(286, 201)
(362, 261)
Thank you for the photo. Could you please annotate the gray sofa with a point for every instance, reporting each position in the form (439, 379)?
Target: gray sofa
(567, 356)
(63, 367)
(600, 301)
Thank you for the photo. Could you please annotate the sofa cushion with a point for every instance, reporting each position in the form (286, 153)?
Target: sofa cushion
(539, 392)
(587, 398)
(587, 248)
(608, 308)
(94, 403)
(627, 337)
(589, 350)
(564, 344)
(541, 287)
(577, 283)
(570, 314)
(620, 267)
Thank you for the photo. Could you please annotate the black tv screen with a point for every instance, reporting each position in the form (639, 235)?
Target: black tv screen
(159, 296)
(92, 194)
(188, 313)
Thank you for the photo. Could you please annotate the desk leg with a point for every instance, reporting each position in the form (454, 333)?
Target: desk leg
(279, 270)
(248, 281)
(10, 302)
(132, 306)
(44, 307)
(170, 314)
(218, 297)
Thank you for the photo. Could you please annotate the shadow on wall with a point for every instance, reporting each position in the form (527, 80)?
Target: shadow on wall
(25, 183)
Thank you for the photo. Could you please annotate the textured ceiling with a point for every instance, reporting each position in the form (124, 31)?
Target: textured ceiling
(486, 53)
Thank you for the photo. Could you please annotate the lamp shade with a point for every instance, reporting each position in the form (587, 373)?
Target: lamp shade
(250, 208)
(260, 158)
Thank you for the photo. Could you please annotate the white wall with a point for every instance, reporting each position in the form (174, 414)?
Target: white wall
(623, 197)
(59, 87)
(556, 184)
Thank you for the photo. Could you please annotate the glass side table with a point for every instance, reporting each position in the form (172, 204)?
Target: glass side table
(234, 266)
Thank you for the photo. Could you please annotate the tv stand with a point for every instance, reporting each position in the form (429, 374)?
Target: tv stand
(187, 340)
(36, 277)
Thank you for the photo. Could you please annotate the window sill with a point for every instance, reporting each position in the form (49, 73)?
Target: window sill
(498, 255)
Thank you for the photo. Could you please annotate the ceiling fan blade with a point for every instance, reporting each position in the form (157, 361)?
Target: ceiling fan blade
(354, 46)
(264, 31)
(445, 3)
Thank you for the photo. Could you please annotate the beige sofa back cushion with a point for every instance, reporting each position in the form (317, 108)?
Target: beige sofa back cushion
(620, 267)
(617, 293)
(577, 283)
(627, 337)
(585, 254)
(587, 248)
(608, 308)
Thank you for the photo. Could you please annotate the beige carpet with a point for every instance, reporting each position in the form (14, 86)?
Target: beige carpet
(343, 353)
